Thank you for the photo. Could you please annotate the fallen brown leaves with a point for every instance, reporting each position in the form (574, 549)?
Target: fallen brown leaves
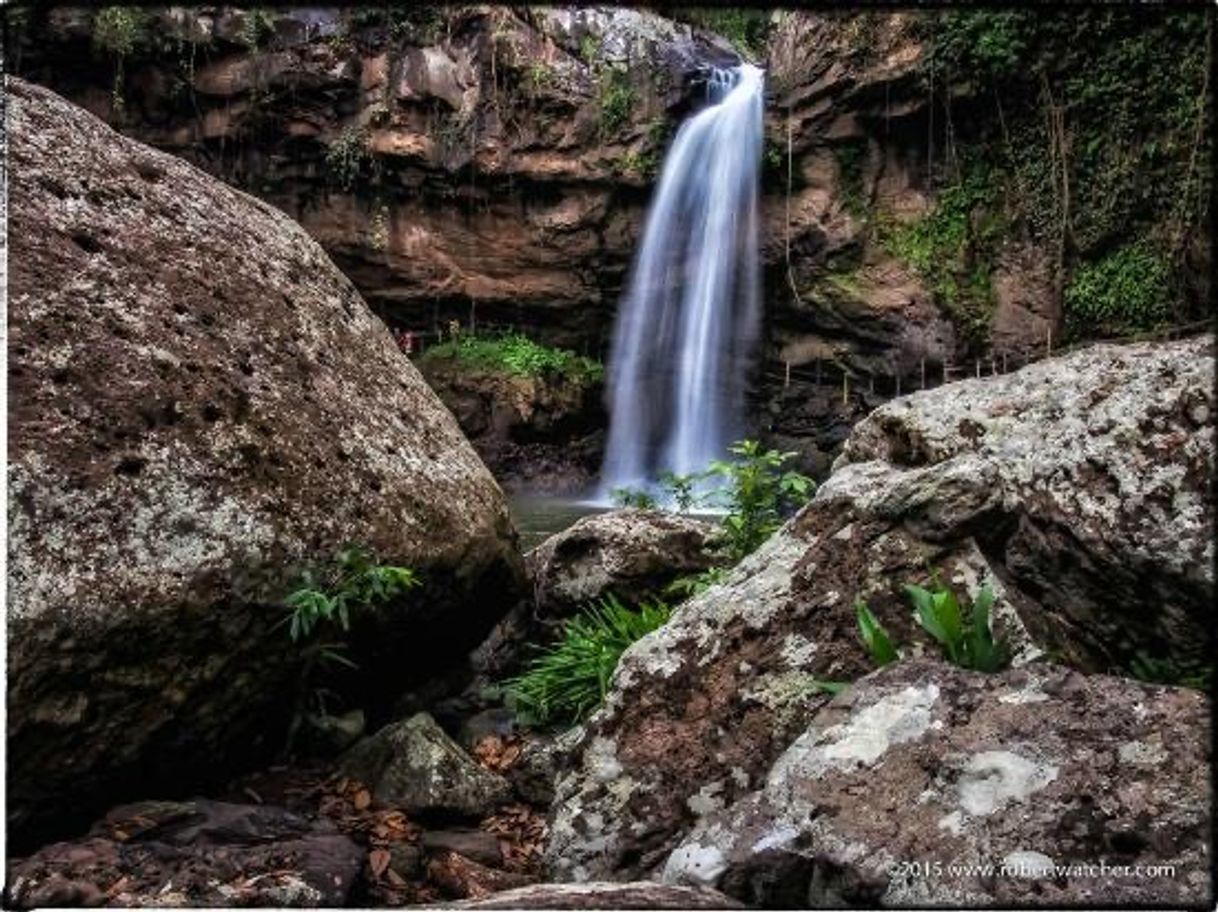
(498, 754)
(522, 834)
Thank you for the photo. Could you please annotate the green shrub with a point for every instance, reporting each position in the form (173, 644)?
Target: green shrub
(617, 97)
(589, 48)
(518, 354)
(966, 640)
(1126, 291)
(681, 489)
(118, 29)
(565, 682)
(355, 581)
(757, 494)
(256, 26)
(745, 28)
(326, 599)
(347, 155)
(633, 497)
(951, 247)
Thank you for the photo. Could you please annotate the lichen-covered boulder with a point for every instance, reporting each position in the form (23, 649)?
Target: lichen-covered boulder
(201, 406)
(1086, 477)
(925, 785)
(631, 552)
(415, 766)
(193, 853)
(1076, 486)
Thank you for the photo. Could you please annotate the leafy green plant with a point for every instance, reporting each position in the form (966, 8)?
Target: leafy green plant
(695, 584)
(589, 48)
(256, 26)
(1195, 673)
(874, 636)
(966, 640)
(1125, 291)
(326, 599)
(118, 29)
(744, 27)
(518, 354)
(633, 497)
(952, 248)
(682, 489)
(347, 155)
(617, 97)
(565, 682)
(355, 581)
(757, 494)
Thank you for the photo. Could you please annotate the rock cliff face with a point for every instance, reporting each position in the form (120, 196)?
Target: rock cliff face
(484, 164)
(202, 407)
(1077, 486)
(491, 165)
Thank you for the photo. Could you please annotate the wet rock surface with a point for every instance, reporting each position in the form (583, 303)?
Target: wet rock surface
(918, 784)
(184, 440)
(699, 711)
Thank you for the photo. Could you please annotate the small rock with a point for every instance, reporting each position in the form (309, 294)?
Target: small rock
(329, 735)
(214, 853)
(414, 765)
(633, 553)
(461, 878)
(476, 845)
(406, 860)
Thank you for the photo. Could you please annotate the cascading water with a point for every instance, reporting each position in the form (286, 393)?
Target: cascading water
(687, 324)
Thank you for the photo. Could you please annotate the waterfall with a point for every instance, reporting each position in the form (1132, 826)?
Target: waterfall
(686, 326)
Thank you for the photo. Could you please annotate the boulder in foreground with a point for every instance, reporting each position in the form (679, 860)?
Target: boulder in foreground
(926, 785)
(202, 406)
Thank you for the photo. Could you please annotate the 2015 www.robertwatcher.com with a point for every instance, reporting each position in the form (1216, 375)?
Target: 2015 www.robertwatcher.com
(1040, 869)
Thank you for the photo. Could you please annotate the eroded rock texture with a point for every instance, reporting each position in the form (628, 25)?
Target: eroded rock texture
(483, 163)
(201, 406)
(903, 790)
(1077, 486)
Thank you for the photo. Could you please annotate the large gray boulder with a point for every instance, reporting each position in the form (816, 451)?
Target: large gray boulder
(202, 405)
(1104, 455)
(925, 785)
(1086, 478)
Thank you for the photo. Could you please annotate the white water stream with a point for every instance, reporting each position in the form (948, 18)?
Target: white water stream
(686, 326)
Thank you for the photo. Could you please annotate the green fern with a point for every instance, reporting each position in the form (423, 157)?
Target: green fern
(565, 682)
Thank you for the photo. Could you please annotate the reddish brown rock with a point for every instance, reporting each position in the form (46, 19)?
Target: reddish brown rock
(202, 406)
(195, 853)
